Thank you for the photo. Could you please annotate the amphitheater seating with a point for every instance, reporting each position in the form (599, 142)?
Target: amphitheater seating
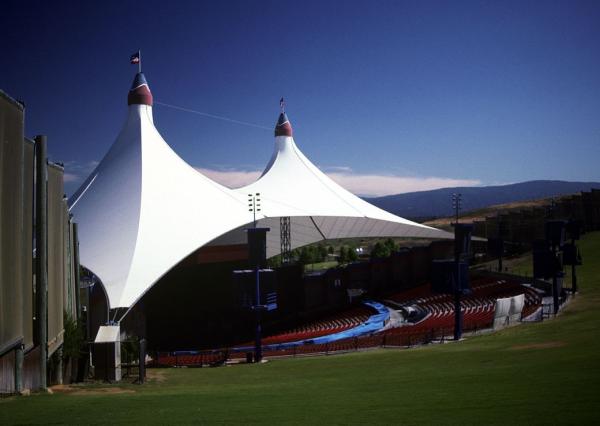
(477, 308)
(339, 322)
(410, 294)
(438, 323)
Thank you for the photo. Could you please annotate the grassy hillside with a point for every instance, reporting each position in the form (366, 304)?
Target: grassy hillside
(481, 214)
(437, 202)
(543, 373)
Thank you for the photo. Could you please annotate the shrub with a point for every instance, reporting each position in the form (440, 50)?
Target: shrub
(74, 336)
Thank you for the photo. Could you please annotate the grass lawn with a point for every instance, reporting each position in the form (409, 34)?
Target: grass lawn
(320, 266)
(543, 373)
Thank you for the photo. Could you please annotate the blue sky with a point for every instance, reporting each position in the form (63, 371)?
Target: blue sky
(387, 97)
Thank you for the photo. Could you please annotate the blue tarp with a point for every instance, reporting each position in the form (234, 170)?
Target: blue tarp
(373, 324)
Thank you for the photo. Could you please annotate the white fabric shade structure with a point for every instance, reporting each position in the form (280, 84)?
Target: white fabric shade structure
(144, 209)
(318, 207)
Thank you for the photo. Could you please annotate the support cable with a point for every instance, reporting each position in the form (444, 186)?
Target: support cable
(216, 117)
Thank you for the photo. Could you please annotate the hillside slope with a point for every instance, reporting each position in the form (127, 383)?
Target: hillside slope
(436, 203)
(534, 374)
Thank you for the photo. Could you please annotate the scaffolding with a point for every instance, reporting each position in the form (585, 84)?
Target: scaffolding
(285, 238)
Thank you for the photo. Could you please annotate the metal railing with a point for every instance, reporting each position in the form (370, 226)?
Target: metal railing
(210, 358)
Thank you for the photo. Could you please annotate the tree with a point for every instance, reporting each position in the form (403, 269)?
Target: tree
(313, 254)
(296, 254)
(322, 253)
(303, 256)
(343, 255)
(390, 245)
(73, 337)
(380, 251)
(306, 256)
(274, 261)
(352, 255)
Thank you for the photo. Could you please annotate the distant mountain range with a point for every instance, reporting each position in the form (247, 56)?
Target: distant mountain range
(438, 202)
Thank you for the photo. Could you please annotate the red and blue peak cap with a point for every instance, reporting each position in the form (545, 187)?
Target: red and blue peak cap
(283, 126)
(139, 94)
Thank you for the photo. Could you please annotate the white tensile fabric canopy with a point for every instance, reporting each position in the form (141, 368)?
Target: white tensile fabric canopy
(144, 209)
(318, 207)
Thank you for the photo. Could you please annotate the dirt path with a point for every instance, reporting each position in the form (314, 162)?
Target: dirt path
(155, 375)
(545, 345)
(83, 390)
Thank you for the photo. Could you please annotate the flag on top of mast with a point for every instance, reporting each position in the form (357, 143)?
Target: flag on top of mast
(136, 58)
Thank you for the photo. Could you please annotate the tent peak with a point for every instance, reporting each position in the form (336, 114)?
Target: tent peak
(139, 94)
(283, 126)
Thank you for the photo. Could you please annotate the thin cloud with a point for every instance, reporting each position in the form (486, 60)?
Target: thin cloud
(366, 185)
(231, 178)
(70, 177)
(77, 172)
(340, 169)
(372, 185)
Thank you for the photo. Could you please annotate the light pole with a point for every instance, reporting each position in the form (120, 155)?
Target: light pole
(571, 253)
(254, 205)
(456, 204)
(257, 253)
(501, 235)
(462, 247)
